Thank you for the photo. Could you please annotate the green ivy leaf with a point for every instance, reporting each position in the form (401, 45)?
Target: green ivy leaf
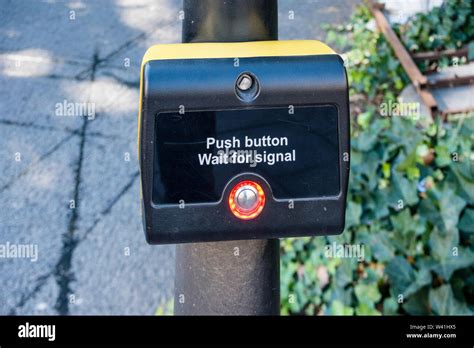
(417, 304)
(442, 302)
(429, 212)
(364, 118)
(409, 162)
(353, 214)
(450, 206)
(446, 267)
(380, 245)
(386, 170)
(442, 244)
(365, 141)
(404, 189)
(338, 308)
(381, 204)
(344, 272)
(367, 293)
(400, 274)
(406, 228)
(443, 157)
(422, 278)
(366, 309)
(390, 306)
(463, 173)
(466, 223)
(402, 221)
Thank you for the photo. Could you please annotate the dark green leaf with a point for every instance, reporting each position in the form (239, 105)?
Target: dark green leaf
(400, 274)
(466, 223)
(446, 267)
(367, 293)
(450, 206)
(417, 304)
(442, 244)
(404, 190)
(353, 213)
(442, 302)
(390, 306)
(380, 246)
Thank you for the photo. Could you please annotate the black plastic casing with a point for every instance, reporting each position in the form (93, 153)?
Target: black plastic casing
(209, 84)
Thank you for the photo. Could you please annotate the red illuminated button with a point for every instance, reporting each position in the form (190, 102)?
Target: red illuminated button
(246, 200)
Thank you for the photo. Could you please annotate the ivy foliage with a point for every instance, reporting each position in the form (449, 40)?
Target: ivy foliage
(450, 26)
(374, 69)
(410, 202)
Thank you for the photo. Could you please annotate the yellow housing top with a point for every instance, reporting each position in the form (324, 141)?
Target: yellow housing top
(237, 50)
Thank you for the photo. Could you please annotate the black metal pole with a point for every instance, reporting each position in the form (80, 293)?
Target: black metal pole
(237, 277)
(230, 20)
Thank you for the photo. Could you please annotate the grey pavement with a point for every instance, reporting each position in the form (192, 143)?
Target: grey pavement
(69, 184)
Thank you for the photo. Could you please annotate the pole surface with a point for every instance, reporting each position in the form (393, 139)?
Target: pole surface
(236, 277)
(230, 20)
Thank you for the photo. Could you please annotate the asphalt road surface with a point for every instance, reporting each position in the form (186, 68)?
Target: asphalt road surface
(69, 188)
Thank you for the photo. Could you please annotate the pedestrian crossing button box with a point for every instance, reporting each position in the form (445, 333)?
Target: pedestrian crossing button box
(243, 141)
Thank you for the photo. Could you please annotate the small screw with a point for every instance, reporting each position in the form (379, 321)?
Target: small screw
(245, 82)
